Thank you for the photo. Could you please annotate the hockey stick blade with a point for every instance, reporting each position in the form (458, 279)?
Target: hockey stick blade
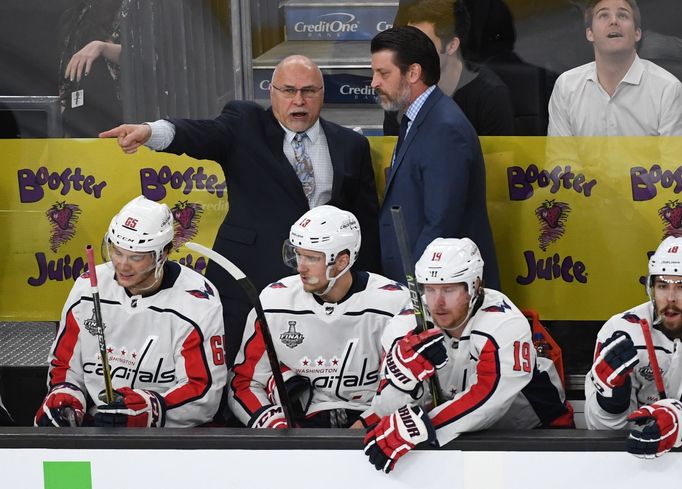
(417, 305)
(254, 298)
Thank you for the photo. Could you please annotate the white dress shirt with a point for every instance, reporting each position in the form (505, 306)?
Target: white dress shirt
(647, 102)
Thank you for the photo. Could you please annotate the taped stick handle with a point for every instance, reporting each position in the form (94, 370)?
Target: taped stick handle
(658, 378)
(106, 371)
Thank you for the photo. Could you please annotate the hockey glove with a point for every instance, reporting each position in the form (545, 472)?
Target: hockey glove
(269, 417)
(64, 405)
(397, 434)
(298, 388)
(657, 429)
(414, 358)
(613, 365)
(134, 408)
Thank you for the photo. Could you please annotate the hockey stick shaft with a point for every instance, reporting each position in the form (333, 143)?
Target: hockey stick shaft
(658, 378)
(417, 306)
(106, 372)
(254, 298)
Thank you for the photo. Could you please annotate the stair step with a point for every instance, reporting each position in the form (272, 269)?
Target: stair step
(337, 20)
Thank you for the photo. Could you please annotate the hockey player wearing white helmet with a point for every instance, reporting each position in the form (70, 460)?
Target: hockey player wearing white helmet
(620, 387)
(164, 332)
(326, 323)
(483, 355)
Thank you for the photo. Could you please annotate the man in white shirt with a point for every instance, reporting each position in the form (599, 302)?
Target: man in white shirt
(618, 94)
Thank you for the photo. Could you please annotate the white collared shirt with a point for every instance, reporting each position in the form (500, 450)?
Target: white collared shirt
(318, 150)
(647, 102)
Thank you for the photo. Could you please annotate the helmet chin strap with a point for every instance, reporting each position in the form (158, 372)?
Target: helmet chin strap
(332, 280)
(158, 274)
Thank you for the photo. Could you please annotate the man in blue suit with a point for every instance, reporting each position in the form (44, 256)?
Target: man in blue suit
(437, 174)
(262, 152)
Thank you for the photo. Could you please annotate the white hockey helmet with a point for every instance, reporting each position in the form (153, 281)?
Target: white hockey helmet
(667, 260)
(326, 229)
(141, 226)
(449, 261)
(452, 261)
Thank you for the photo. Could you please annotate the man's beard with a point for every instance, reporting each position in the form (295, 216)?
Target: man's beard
(401, 101)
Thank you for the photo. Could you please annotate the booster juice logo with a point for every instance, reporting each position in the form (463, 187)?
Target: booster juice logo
(186, 217)
(671, 215)
(521, 181)
(644, 182)
(154, 183)
(552, 216)
(62, 217)
(31, 183)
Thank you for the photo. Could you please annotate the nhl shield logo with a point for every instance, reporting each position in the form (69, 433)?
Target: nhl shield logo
(91, 324)
(328, 310)
(291, 338)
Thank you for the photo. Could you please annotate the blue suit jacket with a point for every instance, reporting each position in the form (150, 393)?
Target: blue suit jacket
(438, 178)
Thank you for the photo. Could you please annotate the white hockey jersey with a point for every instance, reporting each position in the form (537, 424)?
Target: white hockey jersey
(492, 378)
(335, 345)
(643, 386)
(171, 342)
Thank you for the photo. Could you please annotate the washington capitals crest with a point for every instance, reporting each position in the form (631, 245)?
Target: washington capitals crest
(291, 338)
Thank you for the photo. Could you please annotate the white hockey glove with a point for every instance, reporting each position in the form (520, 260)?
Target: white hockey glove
(414, 358)
(64, 405)
(135, 408)
(657, 429)
(397, 434)
(269, 417)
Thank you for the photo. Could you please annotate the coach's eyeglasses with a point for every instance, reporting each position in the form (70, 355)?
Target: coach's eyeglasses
(290, 92)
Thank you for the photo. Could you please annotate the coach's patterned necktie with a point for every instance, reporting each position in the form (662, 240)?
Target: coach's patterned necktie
(303, 165)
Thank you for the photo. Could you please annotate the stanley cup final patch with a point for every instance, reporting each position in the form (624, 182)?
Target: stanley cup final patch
(91, 324)
(291, 338)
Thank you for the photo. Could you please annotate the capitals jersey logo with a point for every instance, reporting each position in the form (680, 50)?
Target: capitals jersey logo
(291, 338)
(91, 324)
(202, 294)
(631, 318)
(393, 286)
(498, 307)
